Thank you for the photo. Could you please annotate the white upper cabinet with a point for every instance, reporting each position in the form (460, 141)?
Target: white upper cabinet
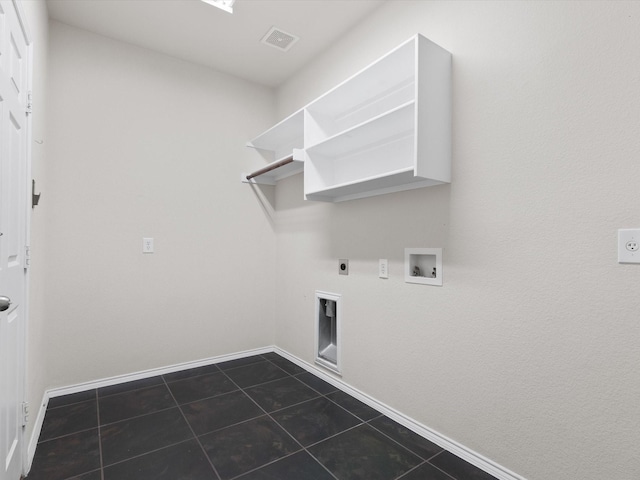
(385, 129)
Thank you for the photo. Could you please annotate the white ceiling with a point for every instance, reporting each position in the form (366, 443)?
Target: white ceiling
(197, 32)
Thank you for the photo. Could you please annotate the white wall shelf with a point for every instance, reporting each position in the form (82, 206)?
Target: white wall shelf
(283, 137)
(385, 129)
(278, 143)
(388, 125)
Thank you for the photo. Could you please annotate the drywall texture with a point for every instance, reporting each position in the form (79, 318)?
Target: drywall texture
(145, 145)
(529, 352)
(38, 25)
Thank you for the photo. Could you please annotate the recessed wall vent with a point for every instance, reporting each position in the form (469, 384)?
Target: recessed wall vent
(278, 39)
(328, 324)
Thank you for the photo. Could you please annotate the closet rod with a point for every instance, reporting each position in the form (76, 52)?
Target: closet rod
(270, 167)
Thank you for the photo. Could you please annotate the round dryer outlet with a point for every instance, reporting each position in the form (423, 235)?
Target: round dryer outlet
(343, 266)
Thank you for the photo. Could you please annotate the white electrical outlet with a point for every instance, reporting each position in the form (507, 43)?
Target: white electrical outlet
(629, 245)
(147, 245)
(383, 268)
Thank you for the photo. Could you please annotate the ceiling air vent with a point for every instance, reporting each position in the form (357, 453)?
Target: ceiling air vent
(279, 39)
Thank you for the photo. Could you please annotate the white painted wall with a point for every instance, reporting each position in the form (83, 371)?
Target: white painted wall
(529, 352)
(145, 145)
(38, 24)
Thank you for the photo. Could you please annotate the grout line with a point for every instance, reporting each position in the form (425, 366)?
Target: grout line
(167, 381)
(195, 437)
(320, 395)
(204, 452)
(303, 448)
(344, 408)
(264, 359)
(70, 404)
(335, 435)
(434, 456)
(296, 376)
(407, 448)
(265, 465)
(265, 414)
(67, 435)
(250, 398)
(204, 398)
(156, 385)
(177, 404)
(75, 477)
(238, 389)
(229, 426)
(99, 436)
(375, 418)
(223, 370)
(422, 464)
(402, 475)
(164, 382)
(137, 416)
(321, 464)
(258, 384)
(368, 422)
(146, 453)
(274, 363)
(438, 468)
(362, 421)
(292, 405)
(326, 396)
(332, 391)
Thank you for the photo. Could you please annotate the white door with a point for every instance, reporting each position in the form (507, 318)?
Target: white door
(13, 214)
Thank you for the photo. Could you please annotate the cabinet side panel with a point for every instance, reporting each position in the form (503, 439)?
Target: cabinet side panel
(433, 112)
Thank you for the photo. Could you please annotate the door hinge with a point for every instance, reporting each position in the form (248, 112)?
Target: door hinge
(25, 413)
(29, 103)
(27, 256)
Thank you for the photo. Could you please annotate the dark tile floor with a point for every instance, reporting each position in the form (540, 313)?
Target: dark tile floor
(256, 418)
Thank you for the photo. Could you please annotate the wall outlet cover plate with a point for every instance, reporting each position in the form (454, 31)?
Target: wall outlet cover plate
(383, 268)
(343, 266)
(629, 245)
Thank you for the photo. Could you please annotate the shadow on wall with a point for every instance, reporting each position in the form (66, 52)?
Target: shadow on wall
(265, 195)
(368, 228)
(382, 226)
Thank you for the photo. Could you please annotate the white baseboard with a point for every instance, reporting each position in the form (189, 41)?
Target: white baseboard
(474, 458)
(129, 377)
